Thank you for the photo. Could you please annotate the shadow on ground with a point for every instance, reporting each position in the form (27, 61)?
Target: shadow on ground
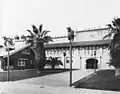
(102, 80)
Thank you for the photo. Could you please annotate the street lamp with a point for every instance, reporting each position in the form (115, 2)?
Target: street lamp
(70, 38)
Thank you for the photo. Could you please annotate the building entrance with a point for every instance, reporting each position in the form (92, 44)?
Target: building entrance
(91, 63)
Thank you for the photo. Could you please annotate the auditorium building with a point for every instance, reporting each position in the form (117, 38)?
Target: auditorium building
(87, 45)
(89, 51)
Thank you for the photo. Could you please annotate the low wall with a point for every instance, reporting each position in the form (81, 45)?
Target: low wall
(18, 74)
(24, 74)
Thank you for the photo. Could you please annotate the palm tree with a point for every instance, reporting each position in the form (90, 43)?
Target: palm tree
(16, 37)
(53, 61)
(37, 38)
(114, 46)
(8, 42)
(24, 37)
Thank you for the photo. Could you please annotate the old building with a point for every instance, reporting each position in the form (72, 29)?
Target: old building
(87, 44)
(21, 57)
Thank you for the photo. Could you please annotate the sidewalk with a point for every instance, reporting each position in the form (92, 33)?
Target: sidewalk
(57, 80)
(50, 84)
(23, 88)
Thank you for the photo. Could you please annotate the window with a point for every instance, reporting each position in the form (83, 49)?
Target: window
(68, 60)
(30, 61)
(22, 62)
(91, 63)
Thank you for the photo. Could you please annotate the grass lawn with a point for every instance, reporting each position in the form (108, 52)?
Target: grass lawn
(102, 79)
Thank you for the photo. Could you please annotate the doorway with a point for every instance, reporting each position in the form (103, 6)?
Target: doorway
(91, 63)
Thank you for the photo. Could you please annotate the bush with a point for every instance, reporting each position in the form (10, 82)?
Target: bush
(53, 61)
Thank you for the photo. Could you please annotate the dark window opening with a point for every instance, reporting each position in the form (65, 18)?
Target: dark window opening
(91, 63)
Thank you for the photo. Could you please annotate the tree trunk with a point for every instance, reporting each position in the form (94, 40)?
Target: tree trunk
(117, 72)
(40, 54)
(53, 67)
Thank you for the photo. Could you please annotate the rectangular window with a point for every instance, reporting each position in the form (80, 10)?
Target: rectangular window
(22, 62)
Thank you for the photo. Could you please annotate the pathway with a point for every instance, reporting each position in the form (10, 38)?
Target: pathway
(57, 80)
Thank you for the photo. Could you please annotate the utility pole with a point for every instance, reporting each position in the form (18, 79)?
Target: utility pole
(70, 64)
(8, 63)
(70, 38)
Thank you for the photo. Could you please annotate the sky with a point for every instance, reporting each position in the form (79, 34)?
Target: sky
(16, 16)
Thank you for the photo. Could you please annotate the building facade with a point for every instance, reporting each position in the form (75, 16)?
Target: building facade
(87, 44)
(20, 57)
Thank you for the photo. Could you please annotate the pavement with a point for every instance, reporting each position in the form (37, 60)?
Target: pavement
(58, 79)
(49, 84)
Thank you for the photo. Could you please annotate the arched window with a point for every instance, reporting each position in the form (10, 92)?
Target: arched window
(91, 63)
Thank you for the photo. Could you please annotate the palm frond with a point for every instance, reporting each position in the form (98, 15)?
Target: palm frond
(47, 39)
(30, 41)
(4, 37)
(109, 25)
(42, 40)
(8, 41)
(17, 37)
(114, 23)
(111, 44)
(40, 28)
(114, 45)
(44, 33)
(23, 37)
(5, 43)
(117, 21)
(106, 36)
(32, 35)
(35, 30)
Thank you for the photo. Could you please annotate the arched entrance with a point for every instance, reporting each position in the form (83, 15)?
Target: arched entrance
(91, 63)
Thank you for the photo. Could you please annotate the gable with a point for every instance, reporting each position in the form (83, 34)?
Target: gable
(17, 49)
(26, 51)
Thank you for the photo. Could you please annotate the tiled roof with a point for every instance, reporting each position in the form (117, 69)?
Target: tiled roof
(18, 47)
(22, 45)
(61, 37)
(85, 43)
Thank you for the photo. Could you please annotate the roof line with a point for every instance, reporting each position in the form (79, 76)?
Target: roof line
(15, 51)
(91, 30)
(84, 43)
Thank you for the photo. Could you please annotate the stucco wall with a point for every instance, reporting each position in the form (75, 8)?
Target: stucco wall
(91, 35)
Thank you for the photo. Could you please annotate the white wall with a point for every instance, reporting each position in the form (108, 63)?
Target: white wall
(91, 35)
(101, 54)
(59, 40)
